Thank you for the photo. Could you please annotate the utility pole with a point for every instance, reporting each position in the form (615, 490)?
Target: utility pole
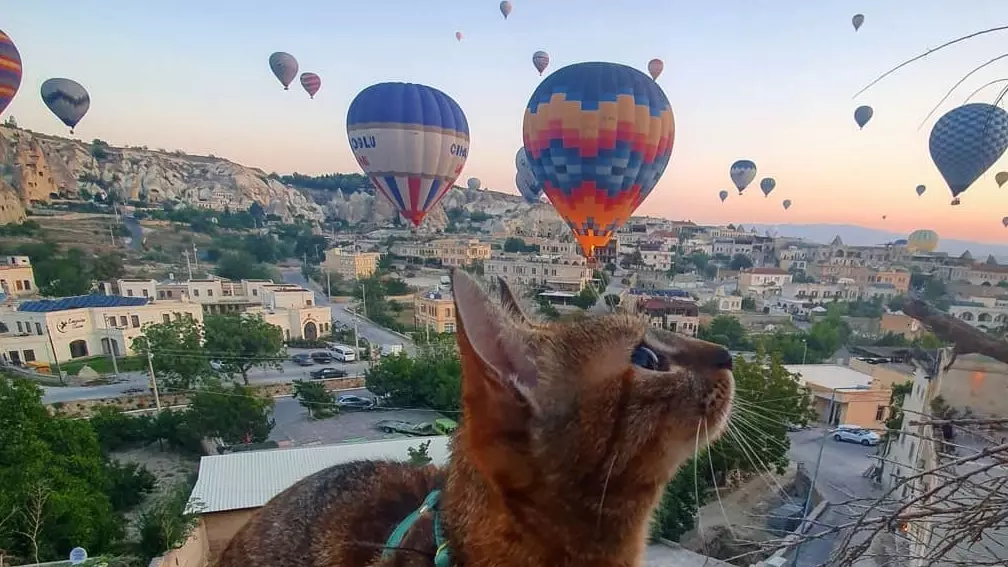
(112, 353)
(55, 356)
(815, 475)
(111, 231)
(363, 295)
(195, 256)
(328, 283)
(188, 263)
(153, 378)
(805, 353)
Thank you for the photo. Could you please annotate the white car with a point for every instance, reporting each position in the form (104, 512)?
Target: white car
(854, 434)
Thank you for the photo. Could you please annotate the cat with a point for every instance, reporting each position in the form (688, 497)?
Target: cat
(569, 432)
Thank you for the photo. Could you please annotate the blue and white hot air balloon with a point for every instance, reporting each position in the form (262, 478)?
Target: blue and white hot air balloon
(742, 173)
(767, 185)
(411, 140)
(723, 195)
(67, 99)
(525, 180)
(966, 142)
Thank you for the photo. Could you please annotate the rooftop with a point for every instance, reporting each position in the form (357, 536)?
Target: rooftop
(830, 376)
(249, 480)
(81, 302)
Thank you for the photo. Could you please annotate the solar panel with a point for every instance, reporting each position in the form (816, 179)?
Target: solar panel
(81, 302)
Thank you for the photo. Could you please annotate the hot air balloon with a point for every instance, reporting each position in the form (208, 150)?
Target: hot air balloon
(541, 60)
(615, 143)
(505, 8)
(1004, 221)
(458, 35)
(473, 183)
(767, 185)
(857, 20)
(529, 188)
(787, 204)
(966, 142)
(10, 71)
(655, 67)
(284, 67)
(723, 195)
(884, 217)
(1001, 178)
(920, 190)
(922, 241)
(411, 140)
(67, 99)
(311, 83)
(862, 115)
(742, 173)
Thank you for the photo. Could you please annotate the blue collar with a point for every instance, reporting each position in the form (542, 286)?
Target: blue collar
(442, 557)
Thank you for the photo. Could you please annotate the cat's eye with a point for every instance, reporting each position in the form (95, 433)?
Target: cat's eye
(644, 357)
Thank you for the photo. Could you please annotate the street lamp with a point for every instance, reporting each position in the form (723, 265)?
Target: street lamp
(804, 355)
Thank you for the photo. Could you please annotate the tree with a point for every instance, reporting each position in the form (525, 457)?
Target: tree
(231, 412)
(320, 402)
(740, 262)
(727, 331)
(242, 266)
(166, 523)
(179, 359)
(418, 455)
(586, 298)
(108, 266)
(243, 342)
(432, 380)
(683, 495)
(749, 304)
(710, 307)
(54, 477)
(513, 244)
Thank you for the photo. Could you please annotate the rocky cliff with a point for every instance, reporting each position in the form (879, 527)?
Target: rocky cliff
(38, 167)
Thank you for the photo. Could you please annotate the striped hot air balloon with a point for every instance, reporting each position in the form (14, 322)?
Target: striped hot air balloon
(540, 60)
(10, 71)
(742, 172)
(67, 99)
(311, 83)
(411, 140)
(599, 137)
(284, 67)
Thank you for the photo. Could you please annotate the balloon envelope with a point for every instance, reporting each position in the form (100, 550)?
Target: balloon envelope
(541, 60)
(599, 137)
(505, 8)
(655, 67)
(458, 35)
(1004, 221)
(10, 71)
(411, 140)
(284, 67)
(529, 188)
(723, 195)
(473, 183)
(967, 141)
(67, 99)
(311, 83)
(1001, 178)
(920, 190)
(857, 20)
(922, 240)
(742, 173)
(767, 185)
(787, 204)
(862, 115)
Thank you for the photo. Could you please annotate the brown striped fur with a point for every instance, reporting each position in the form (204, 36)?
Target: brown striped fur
(562, 453)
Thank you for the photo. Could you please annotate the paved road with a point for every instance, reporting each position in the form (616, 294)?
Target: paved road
(370, 331)
(294, 425)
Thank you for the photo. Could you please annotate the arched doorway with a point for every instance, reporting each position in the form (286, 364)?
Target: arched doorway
(78, 348)
(110, 346)
(310, 331)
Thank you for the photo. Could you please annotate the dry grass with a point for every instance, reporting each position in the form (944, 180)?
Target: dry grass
(168, 467)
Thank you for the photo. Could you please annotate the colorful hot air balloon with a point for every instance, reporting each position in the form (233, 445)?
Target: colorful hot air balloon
(474, 183)
(284, 68)
(767, 185)
(411, 140)
(505, 8)
(862, 115)
(787, 204)
(742, 173)
(67, 99)
(922, 240)
(857, 20)
(458, 35)
(920, 190)
(311, 83)
(10, 71)
(599, 137)
(1001, 178)
(1004, 221)
(541, 60)
(966, 142)
(723, 195)
(655, 67)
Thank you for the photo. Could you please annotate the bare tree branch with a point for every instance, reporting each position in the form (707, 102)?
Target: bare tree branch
(34, 515)
(966, 339)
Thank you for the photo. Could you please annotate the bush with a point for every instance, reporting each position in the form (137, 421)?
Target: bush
(128, 483)
(116, 430)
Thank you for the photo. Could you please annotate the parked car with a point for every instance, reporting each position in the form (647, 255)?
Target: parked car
(135, 390)
(397, 426)
(855, 434)
(302, 359)
(355, 402)
(328, 372)
(216, 365)
(321, 357)
(445, 426)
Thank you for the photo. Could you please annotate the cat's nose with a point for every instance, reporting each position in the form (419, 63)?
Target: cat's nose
(723, 359)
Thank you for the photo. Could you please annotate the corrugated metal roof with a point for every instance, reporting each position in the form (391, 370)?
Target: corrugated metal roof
(249, 480)
(81, 302)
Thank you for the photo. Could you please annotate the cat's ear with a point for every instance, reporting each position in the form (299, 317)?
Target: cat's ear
(510, 303)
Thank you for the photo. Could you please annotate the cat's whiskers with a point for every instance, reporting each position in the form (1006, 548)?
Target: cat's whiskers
(750, 453)
(752, 419)
(696, 490)
(605, 488)
(717, 491)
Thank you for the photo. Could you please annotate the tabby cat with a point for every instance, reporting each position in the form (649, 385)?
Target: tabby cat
(569, 432)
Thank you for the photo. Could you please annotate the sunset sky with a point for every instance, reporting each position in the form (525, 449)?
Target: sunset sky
(767, 80)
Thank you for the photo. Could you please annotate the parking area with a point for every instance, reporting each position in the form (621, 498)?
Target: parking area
(294, 425)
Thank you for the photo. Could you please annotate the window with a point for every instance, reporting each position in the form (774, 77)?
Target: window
(169, 292)
(145, 293)
(195, 293)
(27, 285)
(18, 284)
(309, 302)
(129, 293)
(880, 413)
(209, 293)
(135, 321)
(178, 316)
(189, 316)
(255, 292)
(29, 355)
(110, 322)
(166, 317)
(449, 327)
(123, 321)
(38, 329)
(161, 295)
(20, 327)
